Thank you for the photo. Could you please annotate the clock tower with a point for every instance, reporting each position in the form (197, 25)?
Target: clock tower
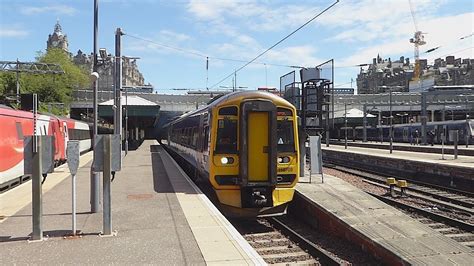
(57, 39)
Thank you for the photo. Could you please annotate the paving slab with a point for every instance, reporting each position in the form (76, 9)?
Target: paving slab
(152, 203)
(384, 226)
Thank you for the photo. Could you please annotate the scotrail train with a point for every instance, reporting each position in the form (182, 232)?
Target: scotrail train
(15, 124)
(409, 132)
(245, 144)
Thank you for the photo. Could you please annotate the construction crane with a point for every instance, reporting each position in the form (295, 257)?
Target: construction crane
(417, 40)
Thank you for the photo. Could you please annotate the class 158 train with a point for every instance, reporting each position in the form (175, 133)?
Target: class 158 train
(16, 124)
(245, 145)
(437, 132)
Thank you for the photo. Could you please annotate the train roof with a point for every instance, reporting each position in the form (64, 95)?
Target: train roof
(240, 95)
(236, 97)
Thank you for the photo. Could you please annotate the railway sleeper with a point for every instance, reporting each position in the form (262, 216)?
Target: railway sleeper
(293, 257)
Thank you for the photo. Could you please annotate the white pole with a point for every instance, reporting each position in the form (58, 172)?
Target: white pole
(74, 205)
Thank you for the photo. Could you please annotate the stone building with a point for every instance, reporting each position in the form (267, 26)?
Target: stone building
(131, 75)
(383, 74)
(57, 39)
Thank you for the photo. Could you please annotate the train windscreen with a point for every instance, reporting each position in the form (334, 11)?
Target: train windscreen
(226, 141)
(285, 136)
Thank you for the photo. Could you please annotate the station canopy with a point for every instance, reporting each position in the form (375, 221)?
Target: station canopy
(136, 107)
(139, 110)
(354, 117)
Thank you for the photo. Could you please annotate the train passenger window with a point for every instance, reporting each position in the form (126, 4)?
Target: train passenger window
(231, 110)
(205, 139)
(285, 136)
(19, 131)
(226, 141)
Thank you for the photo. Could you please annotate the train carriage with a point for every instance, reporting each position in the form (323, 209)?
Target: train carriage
(15, 124)
(245, 144)
(406, 132)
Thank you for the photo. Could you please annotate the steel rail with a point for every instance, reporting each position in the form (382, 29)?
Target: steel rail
(324, 257)
(459, 202)
(434, 216)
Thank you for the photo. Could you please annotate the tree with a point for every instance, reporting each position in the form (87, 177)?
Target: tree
(54, 88)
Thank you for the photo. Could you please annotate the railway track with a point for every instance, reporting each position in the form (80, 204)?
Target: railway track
(444, 216)
(286, 240)
(445, 194)
(275, 246)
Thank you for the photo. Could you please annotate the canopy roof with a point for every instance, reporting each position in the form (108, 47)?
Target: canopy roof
(352, 113)
(132, 100)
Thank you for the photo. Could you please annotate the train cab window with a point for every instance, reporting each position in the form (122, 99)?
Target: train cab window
(19, 131)
(285, 136)
(231, 110)
(285, 131)
(226, 141)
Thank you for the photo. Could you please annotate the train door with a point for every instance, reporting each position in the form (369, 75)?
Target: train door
(66, 137)
(258, 152)
(258, 146)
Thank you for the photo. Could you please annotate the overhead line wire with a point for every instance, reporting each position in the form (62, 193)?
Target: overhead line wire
(277, 43)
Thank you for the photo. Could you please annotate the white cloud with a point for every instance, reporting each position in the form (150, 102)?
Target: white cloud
(440, 31)
(171, 36)
(53, 9)
(255, 15)
(12, 32)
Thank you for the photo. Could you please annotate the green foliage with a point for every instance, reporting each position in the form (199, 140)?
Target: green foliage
(55, 88)
(51, 88)
(7, 83)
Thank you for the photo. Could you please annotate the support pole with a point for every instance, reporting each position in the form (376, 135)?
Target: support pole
(95, 192)
(364, 132)
(456, 137)
(74, 227)
(37, 204)
(107, 216)
(423, 118)
(391, 124)
(17, 81)
(118, 84)
(126, 121)
(345, 125)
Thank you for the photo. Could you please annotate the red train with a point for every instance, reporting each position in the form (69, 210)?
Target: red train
(15, 124)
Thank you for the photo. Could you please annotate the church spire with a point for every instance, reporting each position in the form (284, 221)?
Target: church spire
(57, 28)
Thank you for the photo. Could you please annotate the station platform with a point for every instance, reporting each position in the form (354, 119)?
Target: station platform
(344, 210)
(461, 161)
(159, 215)
(401, 146)
(429, 168)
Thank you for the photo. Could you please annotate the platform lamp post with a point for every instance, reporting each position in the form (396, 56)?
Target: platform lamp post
(118, 85)
(345, 125)
(94, 185)
(126, 107)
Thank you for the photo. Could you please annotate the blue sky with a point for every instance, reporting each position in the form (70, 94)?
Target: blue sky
(351, 33)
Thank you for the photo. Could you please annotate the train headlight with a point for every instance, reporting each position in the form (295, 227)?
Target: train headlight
(227, 160)
(284, 159)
